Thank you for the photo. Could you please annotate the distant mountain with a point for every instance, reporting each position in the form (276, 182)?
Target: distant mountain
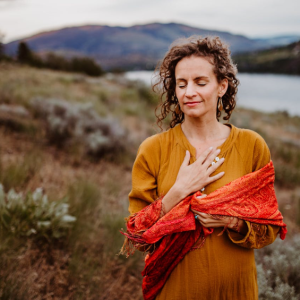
(135, 47)
(281, 40)
(281, 60)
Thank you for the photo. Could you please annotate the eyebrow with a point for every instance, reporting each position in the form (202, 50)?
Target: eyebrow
(197, 78)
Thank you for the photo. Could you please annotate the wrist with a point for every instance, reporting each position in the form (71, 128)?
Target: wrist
(172, 198)
(177, 192)
(234, 223)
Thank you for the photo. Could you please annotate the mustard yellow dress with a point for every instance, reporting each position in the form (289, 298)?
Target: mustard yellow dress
(224, 268)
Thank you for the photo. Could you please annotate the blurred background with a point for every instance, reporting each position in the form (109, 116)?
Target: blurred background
(76, 102)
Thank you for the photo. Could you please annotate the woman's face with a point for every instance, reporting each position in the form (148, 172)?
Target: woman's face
(197, 88)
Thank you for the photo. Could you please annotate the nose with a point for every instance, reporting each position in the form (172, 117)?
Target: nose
(190, 90)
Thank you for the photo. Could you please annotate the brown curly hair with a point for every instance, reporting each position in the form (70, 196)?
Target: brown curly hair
(218, 53)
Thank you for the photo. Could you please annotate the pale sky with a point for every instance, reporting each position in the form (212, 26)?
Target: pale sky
(255, 18)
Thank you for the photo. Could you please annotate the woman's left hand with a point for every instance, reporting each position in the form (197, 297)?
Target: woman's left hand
(208, 221)
(233, 223)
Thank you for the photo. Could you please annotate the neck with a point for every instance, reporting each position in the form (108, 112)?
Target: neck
(202, 130)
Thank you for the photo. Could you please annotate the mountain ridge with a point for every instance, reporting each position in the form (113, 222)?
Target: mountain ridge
(139, 46)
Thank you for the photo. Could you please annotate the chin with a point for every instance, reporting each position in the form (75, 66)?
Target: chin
(194, 114)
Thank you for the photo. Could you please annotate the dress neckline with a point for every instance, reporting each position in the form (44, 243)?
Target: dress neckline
(186, 145)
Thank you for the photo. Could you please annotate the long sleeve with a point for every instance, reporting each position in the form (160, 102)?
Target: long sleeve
(144, 175)
(258, 235)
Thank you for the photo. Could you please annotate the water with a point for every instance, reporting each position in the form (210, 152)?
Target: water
(263, 92)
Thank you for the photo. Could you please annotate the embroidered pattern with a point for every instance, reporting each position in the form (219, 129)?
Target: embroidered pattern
(250, 197)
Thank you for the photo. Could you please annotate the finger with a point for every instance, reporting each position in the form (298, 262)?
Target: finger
(211, 157)
(186, 159)
(200, 214)
(204, 155)
(210, 224)
(215, 166)
(202, 196)
(203, 215)
(215, 177)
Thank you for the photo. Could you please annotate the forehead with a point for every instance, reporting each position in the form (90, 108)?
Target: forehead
(194, 66)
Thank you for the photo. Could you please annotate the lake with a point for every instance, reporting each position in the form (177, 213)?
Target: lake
(264, 92)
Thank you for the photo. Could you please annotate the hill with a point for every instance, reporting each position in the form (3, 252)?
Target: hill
(70, 110)
(135, 47)
(282, 60)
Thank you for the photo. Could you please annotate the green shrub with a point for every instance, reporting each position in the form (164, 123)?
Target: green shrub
(68, 123)
(278, 270)
(146, 94)
(33, 215)
(286, 176)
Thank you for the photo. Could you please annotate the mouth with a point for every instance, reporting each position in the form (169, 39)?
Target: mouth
(192, 103)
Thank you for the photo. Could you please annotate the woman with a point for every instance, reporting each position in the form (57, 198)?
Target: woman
(200, 153)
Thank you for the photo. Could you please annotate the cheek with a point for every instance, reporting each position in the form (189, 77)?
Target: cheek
(209, 91)
(179, 93)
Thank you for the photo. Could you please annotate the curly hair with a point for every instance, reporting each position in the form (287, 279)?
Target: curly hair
(219, 55)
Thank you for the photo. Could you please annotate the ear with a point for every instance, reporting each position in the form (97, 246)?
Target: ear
(223, 86)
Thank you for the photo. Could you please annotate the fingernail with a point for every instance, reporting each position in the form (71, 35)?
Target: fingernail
(222, 173)
(210, 148)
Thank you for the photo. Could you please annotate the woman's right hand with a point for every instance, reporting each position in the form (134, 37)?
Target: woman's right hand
(194, 177)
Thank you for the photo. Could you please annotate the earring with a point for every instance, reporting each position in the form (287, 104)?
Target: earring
(220, 104)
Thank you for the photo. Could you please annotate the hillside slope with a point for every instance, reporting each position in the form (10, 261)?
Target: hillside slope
(139, 46)
(282, 60)
(84, 264)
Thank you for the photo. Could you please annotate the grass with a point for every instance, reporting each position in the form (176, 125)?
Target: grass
(19, 84)
(84, 264)
(17, 174)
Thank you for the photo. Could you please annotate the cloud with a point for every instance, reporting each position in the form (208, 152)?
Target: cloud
(253, 18)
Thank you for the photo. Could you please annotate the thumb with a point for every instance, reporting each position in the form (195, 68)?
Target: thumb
(186, 159)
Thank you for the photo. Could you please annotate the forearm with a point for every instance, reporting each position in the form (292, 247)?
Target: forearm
(257, 235)
(172, 198)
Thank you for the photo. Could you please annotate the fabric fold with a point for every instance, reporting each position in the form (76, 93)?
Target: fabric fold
(250, 197)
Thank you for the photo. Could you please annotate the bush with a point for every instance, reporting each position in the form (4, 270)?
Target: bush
(53, 61)
(286, 176)
(278, 270)
(78, 123)
(34, 215)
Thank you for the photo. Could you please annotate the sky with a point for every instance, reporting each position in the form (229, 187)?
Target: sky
(255, 18)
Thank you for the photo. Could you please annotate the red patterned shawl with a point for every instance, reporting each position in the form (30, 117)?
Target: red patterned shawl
(251, 198)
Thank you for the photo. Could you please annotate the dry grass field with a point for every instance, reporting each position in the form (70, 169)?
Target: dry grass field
(53, 147)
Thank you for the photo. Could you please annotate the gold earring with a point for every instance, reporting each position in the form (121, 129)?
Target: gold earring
(220, 104)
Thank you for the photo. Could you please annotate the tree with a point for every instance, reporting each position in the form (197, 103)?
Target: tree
(24, 53)
(1, 46)
(86, 65)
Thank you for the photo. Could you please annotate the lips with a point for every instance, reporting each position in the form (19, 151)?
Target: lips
(192, 103)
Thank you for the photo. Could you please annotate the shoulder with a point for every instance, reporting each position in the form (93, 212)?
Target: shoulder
(156, 142)
(252, 146)
(250, 137)
(154, 150)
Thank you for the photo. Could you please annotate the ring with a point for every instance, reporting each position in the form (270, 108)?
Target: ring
(196, 216)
